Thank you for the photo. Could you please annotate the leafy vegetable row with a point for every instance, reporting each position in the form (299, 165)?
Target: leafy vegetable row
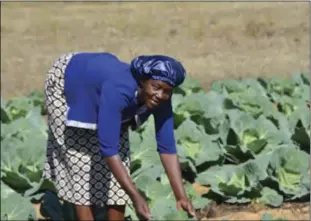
(248, 140)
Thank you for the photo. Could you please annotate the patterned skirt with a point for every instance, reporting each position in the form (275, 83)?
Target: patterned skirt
(73, 160)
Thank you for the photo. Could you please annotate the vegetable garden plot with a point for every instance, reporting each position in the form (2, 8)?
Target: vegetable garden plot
(247, 140)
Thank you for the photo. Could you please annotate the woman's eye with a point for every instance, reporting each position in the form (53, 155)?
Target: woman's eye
(155, 86)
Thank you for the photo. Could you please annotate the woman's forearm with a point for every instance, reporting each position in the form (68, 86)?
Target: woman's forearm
(121, 175)
(172, 168)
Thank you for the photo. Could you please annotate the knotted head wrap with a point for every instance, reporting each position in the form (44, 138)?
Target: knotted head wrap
(158, 67)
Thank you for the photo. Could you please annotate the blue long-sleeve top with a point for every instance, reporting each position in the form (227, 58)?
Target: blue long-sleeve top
(100, 91)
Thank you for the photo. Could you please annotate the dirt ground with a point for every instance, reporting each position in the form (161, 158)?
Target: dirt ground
(213, 40)
(289, 211)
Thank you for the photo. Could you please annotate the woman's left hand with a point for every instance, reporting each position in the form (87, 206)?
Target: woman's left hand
(186, 205)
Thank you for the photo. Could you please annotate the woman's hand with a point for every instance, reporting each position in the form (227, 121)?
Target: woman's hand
(172, 168)
(141, 207)
(186, 205)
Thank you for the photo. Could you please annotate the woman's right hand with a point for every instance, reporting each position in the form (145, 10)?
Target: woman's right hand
(141, 207)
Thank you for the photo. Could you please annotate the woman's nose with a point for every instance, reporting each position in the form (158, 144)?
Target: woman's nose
(160, 95)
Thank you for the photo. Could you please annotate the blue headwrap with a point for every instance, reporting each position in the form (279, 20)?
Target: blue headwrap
(158, 67)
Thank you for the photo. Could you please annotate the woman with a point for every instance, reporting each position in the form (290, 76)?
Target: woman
(91, 100)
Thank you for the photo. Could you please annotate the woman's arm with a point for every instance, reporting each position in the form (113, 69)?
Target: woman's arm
(166, 145)
(109, 125)
(112, 102)
(172, 168)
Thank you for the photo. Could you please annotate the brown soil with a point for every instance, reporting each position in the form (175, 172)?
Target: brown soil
(289, 211)
(214, 40)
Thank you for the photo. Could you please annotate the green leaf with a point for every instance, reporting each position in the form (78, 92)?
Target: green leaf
(177, 100)
(22, 158)
(234, 185)
(251, 139)
(210, 151)
(256, 169)
(270, 197)
(152, 188)
(189, 86)
(5, 114)
(6, 191)
(201, 202)
(306, 78)
(240, 121)
(192, 104)
(266, 217)
(248, 101)
(253, 84)
(228, 85)
(189, 130)
(135, 141)
(16, 181)
(297, 78)
(15, 207)
(213, 104)
(189, 136)
(227, 180)
(32, 125)
(235, 154)
(37, 98)
(18, 107)
(254, 134)
(180, 215)
(145, 155)
(283, 125)
(289, 168)
(299, 124)
(162, 207)
(302, 136)
(238, 200)
(279, 86)
(209, 176)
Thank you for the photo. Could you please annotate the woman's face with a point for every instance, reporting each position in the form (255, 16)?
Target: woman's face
(154, 92)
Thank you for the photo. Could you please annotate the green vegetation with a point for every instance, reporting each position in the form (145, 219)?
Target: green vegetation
(248, 140)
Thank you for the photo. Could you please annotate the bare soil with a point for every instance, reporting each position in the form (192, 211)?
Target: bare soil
(214, 40)
(289, 211)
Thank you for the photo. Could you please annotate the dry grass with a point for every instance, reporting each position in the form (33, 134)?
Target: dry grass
(213, 40)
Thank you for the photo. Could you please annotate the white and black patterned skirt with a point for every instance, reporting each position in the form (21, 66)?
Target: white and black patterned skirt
(73, 160)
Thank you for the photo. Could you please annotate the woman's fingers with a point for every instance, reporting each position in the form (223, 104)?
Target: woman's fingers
(191, 209)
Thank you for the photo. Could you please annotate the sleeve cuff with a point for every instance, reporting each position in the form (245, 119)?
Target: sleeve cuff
(163, 149)
(109, 152)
